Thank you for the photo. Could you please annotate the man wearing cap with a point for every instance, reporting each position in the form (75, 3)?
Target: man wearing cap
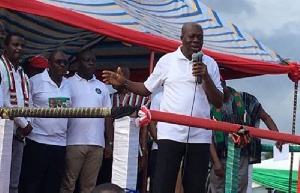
(15, 94)
(35, 65)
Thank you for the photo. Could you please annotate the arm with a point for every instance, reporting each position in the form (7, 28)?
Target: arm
(266, 118)
(109, 137)
(214, 96)
(153, 130)
(20, 121)
(117, 79)
(144, 138)
(217, 164)
(144, 147)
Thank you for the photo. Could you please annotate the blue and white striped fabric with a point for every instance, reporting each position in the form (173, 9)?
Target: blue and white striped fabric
(158, 17)
(165, 18)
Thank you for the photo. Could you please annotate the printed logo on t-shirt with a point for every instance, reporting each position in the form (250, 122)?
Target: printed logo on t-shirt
(59, 102)
(98, 90)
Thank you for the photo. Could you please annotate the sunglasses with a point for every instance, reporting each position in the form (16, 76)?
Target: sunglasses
(58, 61)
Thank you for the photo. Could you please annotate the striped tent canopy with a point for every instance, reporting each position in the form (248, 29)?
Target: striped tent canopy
(124, 32)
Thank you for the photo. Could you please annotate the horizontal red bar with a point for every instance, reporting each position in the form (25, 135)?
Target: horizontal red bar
(222, 126)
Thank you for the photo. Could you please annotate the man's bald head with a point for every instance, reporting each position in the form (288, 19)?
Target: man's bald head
(187, 26)
(191, 38)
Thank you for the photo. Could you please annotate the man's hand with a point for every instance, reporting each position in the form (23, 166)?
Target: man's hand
(279, 144)
(108, 151)
(218, 169)
(114, 78)
(199, 69)
(21, 133)
(27, 130)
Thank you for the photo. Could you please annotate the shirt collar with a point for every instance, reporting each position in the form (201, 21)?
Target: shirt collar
(46, 77)
(80, 78)
(12, 66)
(179, 54)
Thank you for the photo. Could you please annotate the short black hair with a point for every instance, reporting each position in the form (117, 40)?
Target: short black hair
(81, 53)
(10, 35)
(52, 54)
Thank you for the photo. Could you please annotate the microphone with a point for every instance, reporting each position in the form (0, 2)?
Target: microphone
(197, 57)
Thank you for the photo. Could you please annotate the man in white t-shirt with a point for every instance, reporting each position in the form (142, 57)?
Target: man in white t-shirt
(45, 149)
(87, 137)
(182, 95)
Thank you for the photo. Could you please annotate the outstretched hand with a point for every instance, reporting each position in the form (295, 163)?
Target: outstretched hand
(113, 78)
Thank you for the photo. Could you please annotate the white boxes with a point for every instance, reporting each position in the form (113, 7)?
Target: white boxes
(6, 136)
(125, 153)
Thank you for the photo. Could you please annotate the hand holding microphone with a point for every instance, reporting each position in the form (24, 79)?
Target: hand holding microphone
(197, 57)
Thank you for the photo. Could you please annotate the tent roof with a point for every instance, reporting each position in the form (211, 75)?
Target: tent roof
(124, 32)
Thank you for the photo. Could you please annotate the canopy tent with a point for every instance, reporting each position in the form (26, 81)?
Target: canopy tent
(275, 174)
(124, 32)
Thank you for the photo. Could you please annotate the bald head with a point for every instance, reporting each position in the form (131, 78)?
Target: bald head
(190, 25)
(191, 38)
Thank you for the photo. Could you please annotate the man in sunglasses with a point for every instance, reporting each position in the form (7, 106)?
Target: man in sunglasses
(45, 150)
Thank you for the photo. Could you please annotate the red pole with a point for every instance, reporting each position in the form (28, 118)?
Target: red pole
(222, 126)
(151, 62)
(144, 172)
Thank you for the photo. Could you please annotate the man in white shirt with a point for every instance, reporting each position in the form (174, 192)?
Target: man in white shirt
(86, 137)
(182, 95)
(45, 149)
(15, 89)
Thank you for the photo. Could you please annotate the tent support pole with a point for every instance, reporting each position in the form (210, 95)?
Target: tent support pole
(293, 132)
(151, 67)
(144, 173)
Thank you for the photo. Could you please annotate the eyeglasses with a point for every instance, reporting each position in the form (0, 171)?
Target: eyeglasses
(58, 61)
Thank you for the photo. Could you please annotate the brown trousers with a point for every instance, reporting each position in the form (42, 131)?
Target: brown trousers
(84, 160)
